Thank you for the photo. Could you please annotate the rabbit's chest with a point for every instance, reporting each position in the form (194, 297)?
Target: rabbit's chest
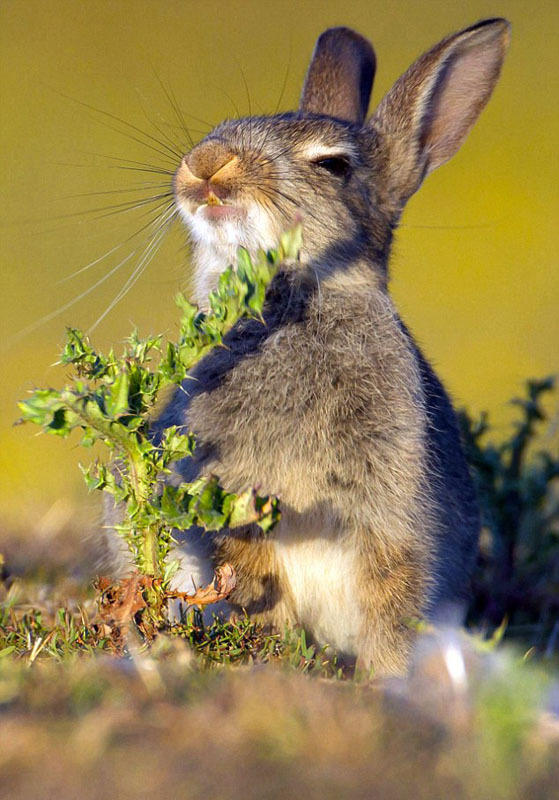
(256, 415)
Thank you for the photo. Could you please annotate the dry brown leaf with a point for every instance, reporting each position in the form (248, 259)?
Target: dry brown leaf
(119, 602)
(220, 588)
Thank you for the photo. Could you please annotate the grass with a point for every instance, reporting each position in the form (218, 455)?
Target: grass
(231, 712)
(90, 710)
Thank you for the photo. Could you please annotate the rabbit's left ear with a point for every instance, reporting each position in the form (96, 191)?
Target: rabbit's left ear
(430, 110)
(340, 76)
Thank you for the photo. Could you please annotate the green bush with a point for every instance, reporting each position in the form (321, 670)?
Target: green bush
(516, 583)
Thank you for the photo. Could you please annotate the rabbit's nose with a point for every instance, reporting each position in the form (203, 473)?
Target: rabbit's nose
(211, 160)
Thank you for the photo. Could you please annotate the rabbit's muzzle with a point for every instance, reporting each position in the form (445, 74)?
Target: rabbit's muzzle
(210, 160)
(209, 175)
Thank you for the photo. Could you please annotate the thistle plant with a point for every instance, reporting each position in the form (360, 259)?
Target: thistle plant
(110, 401)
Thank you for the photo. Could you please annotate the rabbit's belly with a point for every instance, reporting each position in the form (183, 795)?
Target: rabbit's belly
(321, 576)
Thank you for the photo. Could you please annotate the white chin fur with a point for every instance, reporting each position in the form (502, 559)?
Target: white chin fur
(216, 243)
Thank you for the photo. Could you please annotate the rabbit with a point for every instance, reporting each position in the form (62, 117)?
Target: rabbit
(330, 404)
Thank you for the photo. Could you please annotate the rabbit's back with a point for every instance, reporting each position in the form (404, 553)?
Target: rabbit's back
(458, 526)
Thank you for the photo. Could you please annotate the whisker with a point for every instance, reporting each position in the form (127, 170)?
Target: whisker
(180, 114)
(53, 314)
(128, 125)
(175, 107)
(250, 128)
(129, 205)
(277, 206)
(161, 131)
(146, 167)
(243, 77)
(230, 99)
(452, 227)
(148, 211)
(146, 258)
(271, 189)
(269, 131)
(124, 190)
(142, 169)
(150, 223)
(156, 210)
(91, 264)
(172, 156)
(285, 77)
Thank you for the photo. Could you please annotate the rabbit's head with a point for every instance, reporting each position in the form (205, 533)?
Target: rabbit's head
(345, 177)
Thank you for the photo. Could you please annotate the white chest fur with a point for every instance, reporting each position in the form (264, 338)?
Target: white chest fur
(320, 571)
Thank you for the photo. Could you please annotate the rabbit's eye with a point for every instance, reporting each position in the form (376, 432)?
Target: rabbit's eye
(336, 165)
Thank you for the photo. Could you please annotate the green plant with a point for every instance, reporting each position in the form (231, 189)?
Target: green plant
(517, 577)
(111, 398)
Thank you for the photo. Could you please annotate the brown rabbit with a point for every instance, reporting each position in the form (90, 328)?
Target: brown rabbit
(331, 404)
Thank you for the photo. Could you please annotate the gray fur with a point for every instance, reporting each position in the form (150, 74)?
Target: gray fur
(330, 403)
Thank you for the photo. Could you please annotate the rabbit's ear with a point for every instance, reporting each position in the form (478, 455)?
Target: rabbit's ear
(429, 111)
(340, 76)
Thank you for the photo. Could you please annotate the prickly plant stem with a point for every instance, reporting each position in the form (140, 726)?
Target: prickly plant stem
(90, 415)
(149, 535)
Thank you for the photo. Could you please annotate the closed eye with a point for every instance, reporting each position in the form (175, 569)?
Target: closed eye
(335, 165)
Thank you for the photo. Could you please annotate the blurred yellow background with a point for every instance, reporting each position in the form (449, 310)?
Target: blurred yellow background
(474, 270)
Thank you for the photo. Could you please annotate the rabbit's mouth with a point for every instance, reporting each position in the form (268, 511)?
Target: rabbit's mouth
(210, 207)
(217, 223)
(216, 212)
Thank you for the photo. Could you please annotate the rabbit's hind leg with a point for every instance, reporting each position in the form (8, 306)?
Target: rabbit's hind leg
(262, 590)
(392, 590)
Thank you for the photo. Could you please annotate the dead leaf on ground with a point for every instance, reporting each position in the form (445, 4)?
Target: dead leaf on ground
(220, 588)
(118, 602)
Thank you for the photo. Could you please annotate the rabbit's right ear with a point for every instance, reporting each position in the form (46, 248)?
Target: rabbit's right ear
(427, 114)
(340, 76)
